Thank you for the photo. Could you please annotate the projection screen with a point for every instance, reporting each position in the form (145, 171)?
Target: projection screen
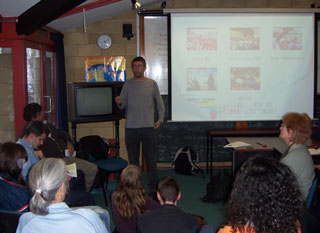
(241, 66)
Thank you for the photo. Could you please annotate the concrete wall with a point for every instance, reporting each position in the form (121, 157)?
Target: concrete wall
(79, 45)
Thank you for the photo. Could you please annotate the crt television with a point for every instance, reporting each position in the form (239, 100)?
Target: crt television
(93, 101)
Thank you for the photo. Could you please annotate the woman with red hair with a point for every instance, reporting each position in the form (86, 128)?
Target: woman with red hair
(295, 130)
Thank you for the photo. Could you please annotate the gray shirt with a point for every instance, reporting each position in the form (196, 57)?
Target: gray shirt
(140, 98)
(301, 164)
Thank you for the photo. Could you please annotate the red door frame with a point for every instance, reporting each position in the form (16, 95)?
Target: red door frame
(18, 44)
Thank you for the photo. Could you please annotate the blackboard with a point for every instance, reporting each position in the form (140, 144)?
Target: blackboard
(173, 135)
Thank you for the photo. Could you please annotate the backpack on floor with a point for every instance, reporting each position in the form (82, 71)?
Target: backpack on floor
(219, 188)
(185, 161)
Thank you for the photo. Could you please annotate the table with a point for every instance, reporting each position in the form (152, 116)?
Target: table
(273, 145)
(211, 133)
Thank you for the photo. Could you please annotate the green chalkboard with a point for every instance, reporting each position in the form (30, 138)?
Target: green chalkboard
(173, 135)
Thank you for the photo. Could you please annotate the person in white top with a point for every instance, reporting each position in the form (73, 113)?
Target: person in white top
(48, 184)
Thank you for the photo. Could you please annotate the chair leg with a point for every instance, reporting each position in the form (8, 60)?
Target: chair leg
(101, 178)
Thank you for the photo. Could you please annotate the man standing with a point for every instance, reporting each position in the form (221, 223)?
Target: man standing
(139, 96)
(167, 218)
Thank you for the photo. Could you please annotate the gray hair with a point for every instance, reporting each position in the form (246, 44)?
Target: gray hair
(45, 178)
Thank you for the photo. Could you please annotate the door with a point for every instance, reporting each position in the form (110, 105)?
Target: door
(41, 79)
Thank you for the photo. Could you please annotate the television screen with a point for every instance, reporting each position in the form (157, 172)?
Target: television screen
(94, 101)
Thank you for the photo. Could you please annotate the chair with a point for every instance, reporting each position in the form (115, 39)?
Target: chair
(9, 221)
(106, 165)
(311, 193)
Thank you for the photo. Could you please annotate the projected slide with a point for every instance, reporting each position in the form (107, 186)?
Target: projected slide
(241, 66)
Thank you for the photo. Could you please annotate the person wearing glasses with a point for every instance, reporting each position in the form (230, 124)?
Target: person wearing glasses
(295, 130)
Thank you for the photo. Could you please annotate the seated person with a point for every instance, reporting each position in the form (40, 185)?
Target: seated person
(57, 142)
(167, 218)
(130, 200)
(14, 195)
(265, 198)
(33, 137)
(295, 130)
(48, 183)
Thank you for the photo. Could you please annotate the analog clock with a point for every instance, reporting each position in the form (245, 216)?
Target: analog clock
(104, 41)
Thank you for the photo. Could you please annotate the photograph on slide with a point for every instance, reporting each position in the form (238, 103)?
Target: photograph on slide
(245, 38)
(287, 38)
(201, 39)
(202, 79)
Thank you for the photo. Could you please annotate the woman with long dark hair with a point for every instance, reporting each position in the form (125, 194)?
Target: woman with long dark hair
(14, 195)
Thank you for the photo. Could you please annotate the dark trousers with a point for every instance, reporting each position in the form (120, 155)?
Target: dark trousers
(147, 138)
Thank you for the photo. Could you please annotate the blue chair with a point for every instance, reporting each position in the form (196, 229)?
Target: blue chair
(107, 167)
(105, 163)
(9, 221)
(311, 193)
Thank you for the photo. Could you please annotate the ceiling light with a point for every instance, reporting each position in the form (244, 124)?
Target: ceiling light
(135, 4)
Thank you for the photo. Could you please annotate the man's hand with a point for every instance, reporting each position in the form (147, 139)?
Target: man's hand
(157, 124)
(39, 153)
(118, 100)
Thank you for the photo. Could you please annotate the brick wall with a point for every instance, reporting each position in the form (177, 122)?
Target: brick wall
(79, 45)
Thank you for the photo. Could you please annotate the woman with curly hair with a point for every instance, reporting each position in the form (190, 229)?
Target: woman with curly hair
(14, 195)
(129, 200)
(295, 130)
(265, 199)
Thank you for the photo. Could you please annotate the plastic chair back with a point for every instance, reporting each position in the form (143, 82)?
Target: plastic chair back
(9, 221)
(312, 191)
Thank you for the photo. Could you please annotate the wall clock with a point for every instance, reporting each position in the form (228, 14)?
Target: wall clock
(104, 41)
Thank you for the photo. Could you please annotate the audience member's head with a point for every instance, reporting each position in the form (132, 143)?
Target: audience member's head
(130, 192)
(47, 182)
(33, 112)
(296, 127)
(35, 133)
(168, 190)
(12, 158)
(265, 196)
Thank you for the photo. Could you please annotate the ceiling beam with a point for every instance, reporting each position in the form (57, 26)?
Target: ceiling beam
(43, 13)
(89, 6)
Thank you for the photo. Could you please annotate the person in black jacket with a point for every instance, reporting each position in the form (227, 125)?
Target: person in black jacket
(167, 218)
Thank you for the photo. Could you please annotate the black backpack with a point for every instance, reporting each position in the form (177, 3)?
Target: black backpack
(92, 145)
(219, 188)
(185, 161)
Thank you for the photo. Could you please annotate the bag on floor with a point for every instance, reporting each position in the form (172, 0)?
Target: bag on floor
(185, 161)
(219, 188)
